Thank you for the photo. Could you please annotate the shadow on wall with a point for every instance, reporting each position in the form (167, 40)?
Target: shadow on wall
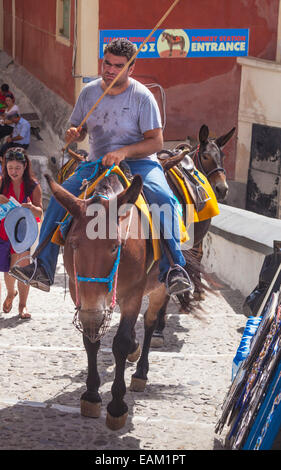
(47, 104)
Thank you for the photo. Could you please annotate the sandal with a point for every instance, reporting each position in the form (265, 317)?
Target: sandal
(8, 303)
(24, 315)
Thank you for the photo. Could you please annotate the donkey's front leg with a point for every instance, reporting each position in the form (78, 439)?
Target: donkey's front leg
(117, 410)
(90, 401)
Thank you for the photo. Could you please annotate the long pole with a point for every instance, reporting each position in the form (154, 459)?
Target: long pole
(268, 292)
(127, 65)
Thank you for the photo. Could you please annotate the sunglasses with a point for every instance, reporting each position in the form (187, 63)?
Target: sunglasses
(15, 155)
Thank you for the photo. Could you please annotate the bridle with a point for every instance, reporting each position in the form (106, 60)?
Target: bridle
(198, 162)
(110, 280)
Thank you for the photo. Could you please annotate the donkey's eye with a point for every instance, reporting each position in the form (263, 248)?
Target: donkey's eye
(205, 157)
(114, 249)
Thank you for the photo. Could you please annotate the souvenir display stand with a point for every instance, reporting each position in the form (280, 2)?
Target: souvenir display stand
(252, 407)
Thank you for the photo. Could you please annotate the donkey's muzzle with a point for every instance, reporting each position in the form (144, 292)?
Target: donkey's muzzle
(93, 323)
(221, 190)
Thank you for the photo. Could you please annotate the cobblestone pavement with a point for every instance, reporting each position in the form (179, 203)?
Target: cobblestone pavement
(43, 372)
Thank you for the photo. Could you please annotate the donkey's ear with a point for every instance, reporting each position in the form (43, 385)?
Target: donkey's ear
(221, 141)
(203, 134)
(67, 200)
(130, 195)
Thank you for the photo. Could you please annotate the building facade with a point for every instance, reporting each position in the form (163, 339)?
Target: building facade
(208, 81)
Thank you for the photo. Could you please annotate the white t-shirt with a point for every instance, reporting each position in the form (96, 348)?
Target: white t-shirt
(14, 109)
(118, 120)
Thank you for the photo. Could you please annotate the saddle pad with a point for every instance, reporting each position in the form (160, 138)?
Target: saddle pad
(140, 203)
(211, 208)
(66, 170)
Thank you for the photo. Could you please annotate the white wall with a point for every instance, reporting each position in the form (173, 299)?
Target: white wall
(234, 264)
(87, 46)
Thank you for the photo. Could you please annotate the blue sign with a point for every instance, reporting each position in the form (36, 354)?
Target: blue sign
(182, 43)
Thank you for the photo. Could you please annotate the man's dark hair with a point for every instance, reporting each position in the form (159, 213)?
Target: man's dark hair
(5, 87)
(121, 47)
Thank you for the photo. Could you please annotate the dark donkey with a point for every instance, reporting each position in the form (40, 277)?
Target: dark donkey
(107, 269)
(208, 158)
(173, 41)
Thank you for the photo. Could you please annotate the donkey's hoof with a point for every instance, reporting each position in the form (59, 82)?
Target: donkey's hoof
(157, 342)
(133, 357)
(89, 409)
(137, 385)
(116, 423)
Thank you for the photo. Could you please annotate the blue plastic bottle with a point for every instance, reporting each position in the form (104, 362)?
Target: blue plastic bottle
(244, 346)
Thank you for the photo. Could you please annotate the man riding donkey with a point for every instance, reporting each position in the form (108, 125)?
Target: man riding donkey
(126, 125)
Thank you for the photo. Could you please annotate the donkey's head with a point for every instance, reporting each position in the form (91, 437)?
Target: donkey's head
(209, 160)
(93, 246)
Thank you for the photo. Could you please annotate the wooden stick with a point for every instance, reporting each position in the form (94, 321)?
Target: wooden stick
(126, 66)
(268, 292)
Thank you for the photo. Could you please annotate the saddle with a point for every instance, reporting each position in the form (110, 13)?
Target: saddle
(176, 39)
(184, 178)
(191, 186)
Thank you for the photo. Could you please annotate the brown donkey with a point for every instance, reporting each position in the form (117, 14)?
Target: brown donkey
(110, 266)
(107, 269)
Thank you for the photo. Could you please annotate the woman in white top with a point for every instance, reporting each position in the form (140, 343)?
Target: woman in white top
(6, 127)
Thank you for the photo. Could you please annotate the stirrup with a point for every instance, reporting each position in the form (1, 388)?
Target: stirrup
(32, 260)
(186, 275)
(202, 194)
